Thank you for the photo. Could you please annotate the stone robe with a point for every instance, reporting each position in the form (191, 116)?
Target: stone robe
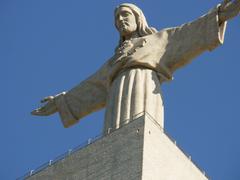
(129, 83)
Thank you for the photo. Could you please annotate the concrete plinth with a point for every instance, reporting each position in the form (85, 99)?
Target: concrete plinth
(137, 151)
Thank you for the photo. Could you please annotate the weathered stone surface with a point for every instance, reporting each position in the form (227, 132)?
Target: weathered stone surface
(116, 156)
(137, 151)
(163, 160)
(129, 82)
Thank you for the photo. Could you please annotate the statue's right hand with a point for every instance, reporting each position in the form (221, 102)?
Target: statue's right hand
(47, 109)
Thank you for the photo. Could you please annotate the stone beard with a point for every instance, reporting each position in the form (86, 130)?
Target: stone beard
(128, 84)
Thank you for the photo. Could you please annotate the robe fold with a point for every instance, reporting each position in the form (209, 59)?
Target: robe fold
(129, 83)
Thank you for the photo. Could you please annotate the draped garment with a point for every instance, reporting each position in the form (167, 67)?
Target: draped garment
(129, 83)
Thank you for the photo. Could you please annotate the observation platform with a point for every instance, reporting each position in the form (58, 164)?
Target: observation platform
(139, 150)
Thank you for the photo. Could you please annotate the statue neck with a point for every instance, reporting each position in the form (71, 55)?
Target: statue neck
(131, 36)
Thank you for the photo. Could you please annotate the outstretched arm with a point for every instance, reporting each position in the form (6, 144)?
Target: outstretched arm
(228, 10)
(88, 96)
(189, 40)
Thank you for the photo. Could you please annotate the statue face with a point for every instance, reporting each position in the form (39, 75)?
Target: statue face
(125, 21)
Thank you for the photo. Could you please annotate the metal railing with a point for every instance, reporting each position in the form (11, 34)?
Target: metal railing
(95, 138)
(60, 157)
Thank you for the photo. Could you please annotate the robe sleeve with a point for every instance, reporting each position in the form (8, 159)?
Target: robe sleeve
(87, 97)
(191, 39)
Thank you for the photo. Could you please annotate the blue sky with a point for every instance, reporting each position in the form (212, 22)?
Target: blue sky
(47, 47)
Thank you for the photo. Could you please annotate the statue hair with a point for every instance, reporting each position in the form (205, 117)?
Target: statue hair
(142, 25)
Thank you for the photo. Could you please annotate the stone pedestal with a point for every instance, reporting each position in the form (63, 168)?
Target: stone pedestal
(137, 151)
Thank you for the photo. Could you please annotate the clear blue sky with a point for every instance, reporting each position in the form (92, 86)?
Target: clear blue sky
(47, 47)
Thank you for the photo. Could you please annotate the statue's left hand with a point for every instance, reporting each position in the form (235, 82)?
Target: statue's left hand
(228, 10)
(47, 109)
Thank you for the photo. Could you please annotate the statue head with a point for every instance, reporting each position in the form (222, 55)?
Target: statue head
(130, 19)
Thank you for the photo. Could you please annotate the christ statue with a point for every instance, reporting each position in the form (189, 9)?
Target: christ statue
(129, 83)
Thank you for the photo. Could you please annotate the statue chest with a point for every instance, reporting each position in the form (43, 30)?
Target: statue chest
(128, 49)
